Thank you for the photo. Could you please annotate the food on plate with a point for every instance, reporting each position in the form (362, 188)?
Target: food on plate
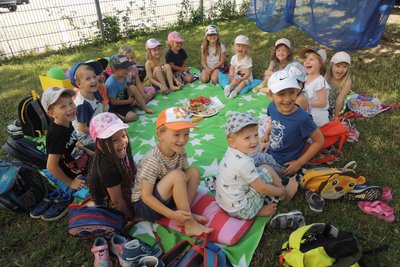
(195, 106)
(202, 99)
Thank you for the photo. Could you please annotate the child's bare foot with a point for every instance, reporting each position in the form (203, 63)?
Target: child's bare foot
(291, 188)
(193, 228)
(148, 110)
(200, 219)
(268, 210)
(175, 88)
(165, 92)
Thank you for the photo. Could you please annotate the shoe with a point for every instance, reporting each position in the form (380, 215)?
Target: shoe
(45, 204)
(134, 250)
(150, 261)
(101, 254)
(15, 128)
(233, 94)
(270, 200)
(227, 90)
(59, 208)
(365, 192)
(315, 201)
(386, 194)
(117, 243)
(291, 220)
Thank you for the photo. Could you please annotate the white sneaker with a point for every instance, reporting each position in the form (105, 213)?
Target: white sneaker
(233, 94)
(227, 90)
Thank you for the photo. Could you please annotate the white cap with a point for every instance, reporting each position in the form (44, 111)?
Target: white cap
(341, 57)
(283, 41)
(282, 80)
(211, 29)
(152, 43)
(318, 51)
(52, 94)
(242, 39)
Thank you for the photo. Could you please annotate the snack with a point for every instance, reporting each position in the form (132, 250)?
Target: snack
(195, 106)
(204, 100)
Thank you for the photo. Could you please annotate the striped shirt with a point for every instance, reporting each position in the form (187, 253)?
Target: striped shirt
(155, 166)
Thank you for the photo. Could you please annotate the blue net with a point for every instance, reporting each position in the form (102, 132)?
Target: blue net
(338, 24)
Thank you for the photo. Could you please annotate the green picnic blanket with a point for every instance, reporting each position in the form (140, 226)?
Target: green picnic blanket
(205, 150)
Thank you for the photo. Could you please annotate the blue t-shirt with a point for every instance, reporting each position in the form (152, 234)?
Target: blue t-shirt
(289, 133)
(177, 59)
(116, 89)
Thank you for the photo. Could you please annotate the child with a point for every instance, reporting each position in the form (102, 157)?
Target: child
(176, 57)
(290, 128)
(157, 72)
(338, 77)
(213, 54)
(240, 71)
(121, 100)
(61, 137)
(316, 87)
(281, 56)
(241, 188)
(112, 170)
(165, 179)
(102, 89)
(135, 86)
(299, 72)
(88, 100)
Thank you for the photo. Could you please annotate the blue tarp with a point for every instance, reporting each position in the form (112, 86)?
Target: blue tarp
(338, 24)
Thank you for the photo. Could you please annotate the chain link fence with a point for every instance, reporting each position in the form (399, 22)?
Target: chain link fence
(52, 24)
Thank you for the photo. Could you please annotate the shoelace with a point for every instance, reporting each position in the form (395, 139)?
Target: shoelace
(102, 256)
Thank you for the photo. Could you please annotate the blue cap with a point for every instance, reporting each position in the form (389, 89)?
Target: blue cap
(98, 69)
(297, 70)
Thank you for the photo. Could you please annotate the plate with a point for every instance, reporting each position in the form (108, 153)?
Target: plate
(208, 112)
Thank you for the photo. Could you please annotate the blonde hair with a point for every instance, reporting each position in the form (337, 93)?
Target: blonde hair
(124, 50)
(80, 69)
(247, 50)
(345, 78)
(322, 70)
(273, 54)
(205, 45)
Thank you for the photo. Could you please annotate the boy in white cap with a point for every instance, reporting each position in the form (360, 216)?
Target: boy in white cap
(241, 187)
(165, 180)
(290, 128)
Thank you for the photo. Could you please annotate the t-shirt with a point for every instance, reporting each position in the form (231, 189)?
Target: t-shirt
(213, 58)
(289, 133)
(275, 65)
(178, 59)
(241, 66)
(235, 174)
(61, 140)
(320, 115)
(116, 89)
(154, 166)
(132, 75)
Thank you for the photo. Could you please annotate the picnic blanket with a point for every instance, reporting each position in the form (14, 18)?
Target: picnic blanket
(205, 150)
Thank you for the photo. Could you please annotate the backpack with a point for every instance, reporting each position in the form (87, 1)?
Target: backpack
(142, 72)
(321, 245)
(22, 187)
(88, 222)
(331, 183)
(33, 118)
(202, 253)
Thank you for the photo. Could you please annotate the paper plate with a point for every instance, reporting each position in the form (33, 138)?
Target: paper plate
(208, 112)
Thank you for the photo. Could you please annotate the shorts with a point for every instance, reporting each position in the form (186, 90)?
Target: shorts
(148, 213)
(267, 159)
(182, 75)
(121, 109)
(255, 201)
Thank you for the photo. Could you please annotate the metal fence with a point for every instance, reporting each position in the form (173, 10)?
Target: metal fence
(52, 24)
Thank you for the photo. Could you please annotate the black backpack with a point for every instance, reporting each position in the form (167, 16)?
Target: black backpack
(142, 72)
(33, 118)
(22, 187)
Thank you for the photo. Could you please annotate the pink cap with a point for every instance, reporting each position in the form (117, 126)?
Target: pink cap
(104, 125)
(175, 37)
(152, 43)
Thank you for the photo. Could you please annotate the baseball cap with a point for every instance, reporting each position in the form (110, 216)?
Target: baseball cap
(52, 94)
(98, 69)
(341, 57)
(104, 125)
(282, 80)
(297, 70)
(242, 39)
(120, 62)
(237, 121)
(283, 41)
(211, 29)
(175, 37)
(175, 118)
(152, 43)
(316, 50)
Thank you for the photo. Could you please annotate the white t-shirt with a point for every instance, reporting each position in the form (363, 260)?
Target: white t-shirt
(320, 115)
(241, 66)
(235, 174)
(213, 58)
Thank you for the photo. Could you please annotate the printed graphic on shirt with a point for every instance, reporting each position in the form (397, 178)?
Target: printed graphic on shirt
(276, 135)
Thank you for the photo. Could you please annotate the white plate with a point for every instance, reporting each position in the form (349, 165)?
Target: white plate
(208, 112)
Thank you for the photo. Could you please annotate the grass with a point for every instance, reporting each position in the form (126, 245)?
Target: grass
(25, 242)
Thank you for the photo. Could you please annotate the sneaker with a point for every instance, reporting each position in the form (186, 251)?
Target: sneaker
(315, 201)
(233, 94)
(134, 250)
(117, 243)
(150, 261)
(45, 204)
(291, 220)
(101, 254)
(365, 192)
(15, 128)
(227, 90)
(59, 208)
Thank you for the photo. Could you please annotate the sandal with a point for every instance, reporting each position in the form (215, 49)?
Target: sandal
(315, 201)
(291, 220)
(378, 208)
(365, 192)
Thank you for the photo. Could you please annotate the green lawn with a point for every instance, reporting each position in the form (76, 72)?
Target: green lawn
(28, 242)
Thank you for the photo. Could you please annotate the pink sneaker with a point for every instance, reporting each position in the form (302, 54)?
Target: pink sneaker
(101, 254)
(117, 244)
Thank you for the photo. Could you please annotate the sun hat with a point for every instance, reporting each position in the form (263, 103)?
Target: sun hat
(120, 62)
(282, 80)
(211, 29)
(152, 43)
(341, 57)
(320, 52)
(242, 39)
(175, 37)
(98, 69)
(237, 121)
(104, 125)
(297, 70)
(175, 118)
(283, 41)
(52, 94)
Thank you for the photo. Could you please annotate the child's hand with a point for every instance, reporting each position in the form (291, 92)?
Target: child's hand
(186, 69)
(77, 183)
(208, 71)
(181, 216)
(263, 147)
(293, 167)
